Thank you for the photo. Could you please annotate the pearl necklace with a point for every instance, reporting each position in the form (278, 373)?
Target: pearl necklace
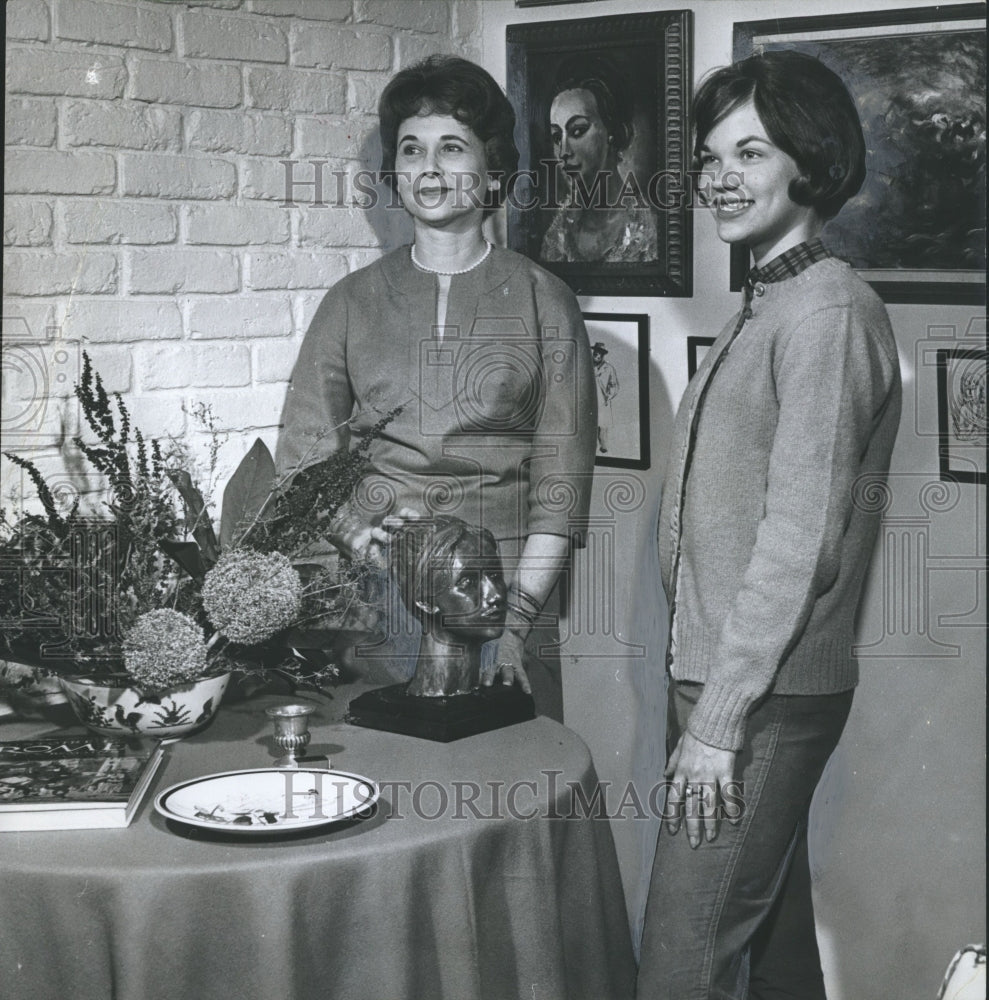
(432, 270)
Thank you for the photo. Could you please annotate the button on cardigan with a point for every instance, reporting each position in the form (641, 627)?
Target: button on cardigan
(772, 543)
(498, 414)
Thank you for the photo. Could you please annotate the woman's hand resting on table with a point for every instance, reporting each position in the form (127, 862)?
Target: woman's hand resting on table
(698, 773)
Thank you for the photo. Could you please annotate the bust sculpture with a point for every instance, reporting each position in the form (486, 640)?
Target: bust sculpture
(451, 578)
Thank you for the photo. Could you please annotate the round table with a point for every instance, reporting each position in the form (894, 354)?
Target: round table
(482, 874)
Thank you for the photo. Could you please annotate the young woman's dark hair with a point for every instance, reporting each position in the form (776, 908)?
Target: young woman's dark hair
(610, 89)
(449, 85)
(807, 112)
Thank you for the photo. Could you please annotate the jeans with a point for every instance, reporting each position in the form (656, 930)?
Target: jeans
(733, 919)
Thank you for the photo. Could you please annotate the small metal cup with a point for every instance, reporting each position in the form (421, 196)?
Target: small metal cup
(291, 724)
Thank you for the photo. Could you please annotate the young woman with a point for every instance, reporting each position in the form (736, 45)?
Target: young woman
(484, 352)
(763, 546)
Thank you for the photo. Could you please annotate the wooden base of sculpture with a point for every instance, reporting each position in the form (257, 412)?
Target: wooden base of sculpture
(442, 720)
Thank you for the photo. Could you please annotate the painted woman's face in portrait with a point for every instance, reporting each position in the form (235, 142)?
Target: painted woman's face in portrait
(471, 594)
(751, 181)
(442, 171)
(580, 137)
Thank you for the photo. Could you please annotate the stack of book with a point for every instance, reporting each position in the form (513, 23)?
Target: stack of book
(74, 782)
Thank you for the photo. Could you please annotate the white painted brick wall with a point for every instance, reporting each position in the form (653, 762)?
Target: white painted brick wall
(144, 216)
(29, 122)
(121, 126)
(130, 25)
(26, 222)
(100, 220)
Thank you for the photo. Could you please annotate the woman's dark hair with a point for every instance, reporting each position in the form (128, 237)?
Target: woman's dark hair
(449, 85)
(611, 91)
(807, 112)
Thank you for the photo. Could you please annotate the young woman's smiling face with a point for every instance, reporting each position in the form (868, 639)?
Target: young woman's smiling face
(442, 171)
(749, 195)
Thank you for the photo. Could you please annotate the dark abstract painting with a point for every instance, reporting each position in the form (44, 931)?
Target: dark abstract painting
(922, 103)
(917, 228)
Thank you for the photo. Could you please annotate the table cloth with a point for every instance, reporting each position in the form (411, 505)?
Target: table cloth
(482, 874)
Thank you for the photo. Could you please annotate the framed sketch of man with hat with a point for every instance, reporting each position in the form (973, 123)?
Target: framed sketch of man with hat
(620, 353)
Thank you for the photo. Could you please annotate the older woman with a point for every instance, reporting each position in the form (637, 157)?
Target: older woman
(764, 549)
(484, 353)
(591, 127)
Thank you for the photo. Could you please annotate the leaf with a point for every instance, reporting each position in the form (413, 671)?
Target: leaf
(188, 555)
(202, 528)
(247, 493)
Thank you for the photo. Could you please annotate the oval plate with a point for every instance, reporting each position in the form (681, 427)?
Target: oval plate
(268, 800)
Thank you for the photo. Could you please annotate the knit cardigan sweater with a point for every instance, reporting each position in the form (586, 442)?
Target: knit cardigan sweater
(765, 534)
(498, 409)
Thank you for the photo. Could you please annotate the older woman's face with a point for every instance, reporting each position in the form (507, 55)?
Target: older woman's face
(442, 171)
(580, 137)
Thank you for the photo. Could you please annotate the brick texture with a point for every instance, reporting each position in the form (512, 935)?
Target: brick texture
(165, 272)
(26, 222)
(294, 90)
(144, 213)
(198, 85)
(227, 37)
(121, 126)
(136, 26)
(330, 47)
(235, 225)
(237, 132)
(65, 74)
(53, 172)
(156, 176)
(100, 220)
(26, 20)
(29, 122)
(33, 273)
(315, 10)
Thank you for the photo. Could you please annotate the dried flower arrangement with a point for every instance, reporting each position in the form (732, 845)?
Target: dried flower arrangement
(149, 588)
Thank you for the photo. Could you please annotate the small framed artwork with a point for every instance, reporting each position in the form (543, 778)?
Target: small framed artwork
(961, 411)
(620, 352)
(916, 229)
(602, 193)
(696, 349)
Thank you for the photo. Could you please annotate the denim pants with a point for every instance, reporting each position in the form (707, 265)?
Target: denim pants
(733, 919)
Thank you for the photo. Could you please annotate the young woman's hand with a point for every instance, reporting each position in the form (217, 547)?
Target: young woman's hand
(698, 772)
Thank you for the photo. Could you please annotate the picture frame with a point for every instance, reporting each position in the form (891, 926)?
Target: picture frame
(637, 67)
(916, 229)
(622, 377)
(961, 409)
(696, 349)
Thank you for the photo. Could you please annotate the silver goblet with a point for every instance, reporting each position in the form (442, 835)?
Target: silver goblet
(291, 731)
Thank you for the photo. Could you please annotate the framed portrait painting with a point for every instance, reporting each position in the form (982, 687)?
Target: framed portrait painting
(963, 429)
(620, 352)
(602, 194)
(916, 229)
